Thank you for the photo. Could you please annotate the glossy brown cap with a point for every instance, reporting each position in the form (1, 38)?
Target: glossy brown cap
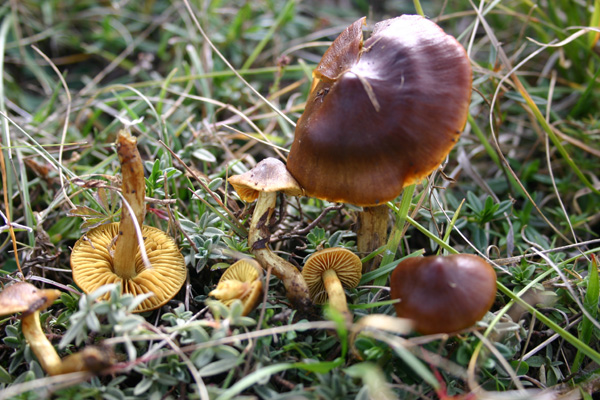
(242, 280)
(25, 298)
(346, 264)
(388, 119)
(443, 294)
(91, 262)
(269, 175)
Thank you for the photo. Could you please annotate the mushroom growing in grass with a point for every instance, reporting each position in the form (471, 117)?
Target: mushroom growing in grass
(443, 294)
(381, 115)
(25, 298)
(327, 272)
(262, 183)
(111, 253)
(241, 280)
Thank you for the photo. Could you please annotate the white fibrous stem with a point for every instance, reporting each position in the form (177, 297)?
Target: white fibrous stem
(258, 236)
(133, 189)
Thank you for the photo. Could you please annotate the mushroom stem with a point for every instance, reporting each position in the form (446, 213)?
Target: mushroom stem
(39, 343)
(89, 359)
(133, 188)
(231, 289)
(371, 233)
(258, 236)
(335, 291)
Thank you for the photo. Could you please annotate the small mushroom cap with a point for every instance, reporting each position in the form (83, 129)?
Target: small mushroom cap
(346, 264)
(91, 262)
(443, 294)
(242, 280)
(25, 298)
(384, 118)
(269, 175)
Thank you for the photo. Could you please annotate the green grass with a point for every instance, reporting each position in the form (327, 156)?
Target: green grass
(520, 188)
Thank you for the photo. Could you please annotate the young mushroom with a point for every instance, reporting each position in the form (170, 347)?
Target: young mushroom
(262, 183)
(327, 272)
(25, 298)
(381, 115)
(111, 254)
(242, 280)
(443, 294)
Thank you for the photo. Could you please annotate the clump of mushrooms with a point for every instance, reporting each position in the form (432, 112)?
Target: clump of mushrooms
(381, 115)
(443, 294)
(240, 281)
(111, 253)
(262, 183)
(25, 298)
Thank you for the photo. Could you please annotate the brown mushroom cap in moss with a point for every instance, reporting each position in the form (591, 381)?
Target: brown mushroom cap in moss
(383, 114)
(269, 175)
(242, 280)
(92, 265)
(328, 271)
(443, 294)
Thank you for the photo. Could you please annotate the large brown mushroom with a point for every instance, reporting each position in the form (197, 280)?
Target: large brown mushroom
(443, 294)
(262, 183)
(25, 298)
(111, 254)
(381, 115)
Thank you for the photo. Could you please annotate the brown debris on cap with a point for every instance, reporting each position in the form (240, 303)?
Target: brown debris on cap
(388, 119)
(269, 175)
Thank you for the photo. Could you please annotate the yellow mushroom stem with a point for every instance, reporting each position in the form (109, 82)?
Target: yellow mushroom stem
(88, 359)
(231, 289)
(258, 236)
(335, 291)
(371, 233)
(133, 188)
(39, 343)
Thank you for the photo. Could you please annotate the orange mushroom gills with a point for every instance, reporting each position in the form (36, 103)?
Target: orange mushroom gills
(443, 294)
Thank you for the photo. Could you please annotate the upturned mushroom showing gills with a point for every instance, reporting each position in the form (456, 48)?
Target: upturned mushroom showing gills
(382, 114)
(443, 294)
(262, 183)
(241, 280)
(25, 298)
(111, 253)
(327, 272)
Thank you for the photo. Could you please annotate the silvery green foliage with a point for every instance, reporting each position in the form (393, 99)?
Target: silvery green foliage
(117, 309)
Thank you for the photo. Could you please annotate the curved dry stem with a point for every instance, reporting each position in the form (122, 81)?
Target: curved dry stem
(258, 236)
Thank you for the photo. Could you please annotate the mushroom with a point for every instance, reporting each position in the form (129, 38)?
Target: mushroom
(381, 115)
(443, 294)
(25, 298)
(110, 253)
(262, 183)
(242, 280)
(327, 272)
